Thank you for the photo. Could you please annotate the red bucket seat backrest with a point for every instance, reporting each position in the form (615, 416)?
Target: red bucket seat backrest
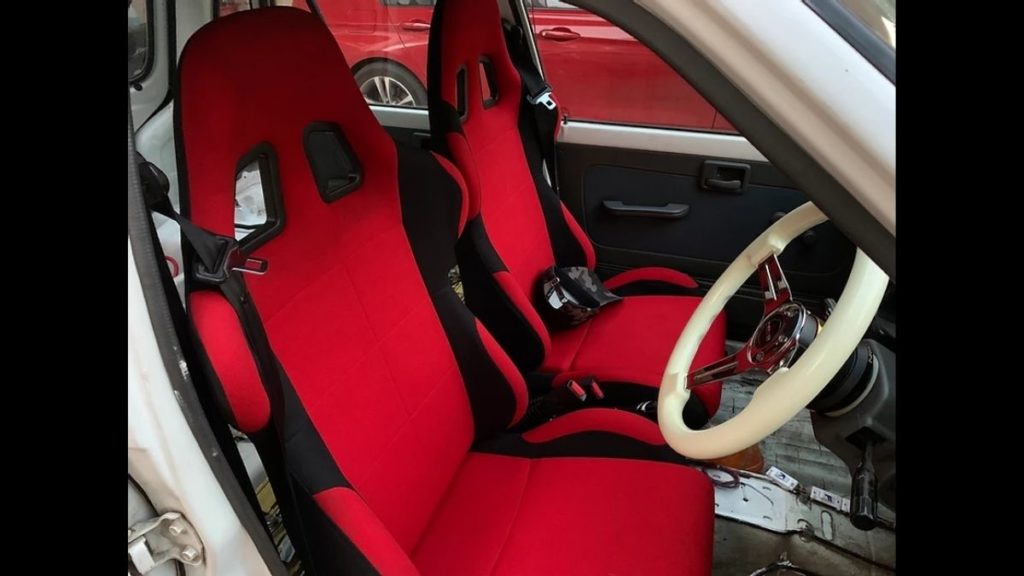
(477, 112)
(382, 357)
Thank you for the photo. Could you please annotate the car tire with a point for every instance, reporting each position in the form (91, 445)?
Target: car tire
(390, 84)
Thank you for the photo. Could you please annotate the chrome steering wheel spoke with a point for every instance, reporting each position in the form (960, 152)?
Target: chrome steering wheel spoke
(773, 284)
(786, 329)
(731, 365)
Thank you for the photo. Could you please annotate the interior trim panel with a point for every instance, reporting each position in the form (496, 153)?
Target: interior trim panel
(659, 140)
(402, 117)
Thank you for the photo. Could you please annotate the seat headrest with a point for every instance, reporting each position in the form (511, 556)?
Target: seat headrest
(479, 36)
(262, 78)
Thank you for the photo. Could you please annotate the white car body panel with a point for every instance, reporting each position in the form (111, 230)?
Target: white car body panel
(806, 78)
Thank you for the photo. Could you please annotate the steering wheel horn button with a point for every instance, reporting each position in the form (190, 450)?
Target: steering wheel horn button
(777, 337)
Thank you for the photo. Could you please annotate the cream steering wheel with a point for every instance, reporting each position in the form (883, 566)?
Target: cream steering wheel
(786, 329)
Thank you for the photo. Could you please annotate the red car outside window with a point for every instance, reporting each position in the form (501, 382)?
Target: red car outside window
(598, 71)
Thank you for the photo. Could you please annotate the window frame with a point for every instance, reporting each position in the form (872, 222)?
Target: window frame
(150, 46)
(395, 4)
(568, 6)
(857, 34)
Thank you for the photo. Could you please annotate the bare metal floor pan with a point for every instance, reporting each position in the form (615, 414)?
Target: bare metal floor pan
(743, 549)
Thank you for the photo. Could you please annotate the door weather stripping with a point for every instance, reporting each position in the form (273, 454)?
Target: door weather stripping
(166, 538)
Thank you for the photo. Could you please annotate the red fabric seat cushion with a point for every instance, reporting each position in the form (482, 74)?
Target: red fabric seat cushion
(507, 515)
(651, 274)
(630, 341)
(619, 422)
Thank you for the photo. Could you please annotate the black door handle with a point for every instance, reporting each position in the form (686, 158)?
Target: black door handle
(720, 184)
(724, 176)
(669, 211)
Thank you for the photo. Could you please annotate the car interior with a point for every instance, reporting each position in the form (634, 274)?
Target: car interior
(464, 328)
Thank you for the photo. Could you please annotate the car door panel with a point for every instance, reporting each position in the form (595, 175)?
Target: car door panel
(412, 21)
(361, 28)
(716, 225)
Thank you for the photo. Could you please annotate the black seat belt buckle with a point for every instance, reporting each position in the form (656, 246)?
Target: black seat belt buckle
(568, 397)
(231, 259)
(543, 98)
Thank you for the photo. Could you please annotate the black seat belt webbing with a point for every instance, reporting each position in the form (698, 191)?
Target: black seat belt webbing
(221, 265)
(177, 310)
(542, 107)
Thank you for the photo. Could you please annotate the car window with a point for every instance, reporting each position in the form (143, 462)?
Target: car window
(139, 40)
(385, 43)
(878, 16)
(868, 25)
(225, 7)
(599, 72)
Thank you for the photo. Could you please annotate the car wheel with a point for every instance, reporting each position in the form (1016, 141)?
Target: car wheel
(390, 84)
